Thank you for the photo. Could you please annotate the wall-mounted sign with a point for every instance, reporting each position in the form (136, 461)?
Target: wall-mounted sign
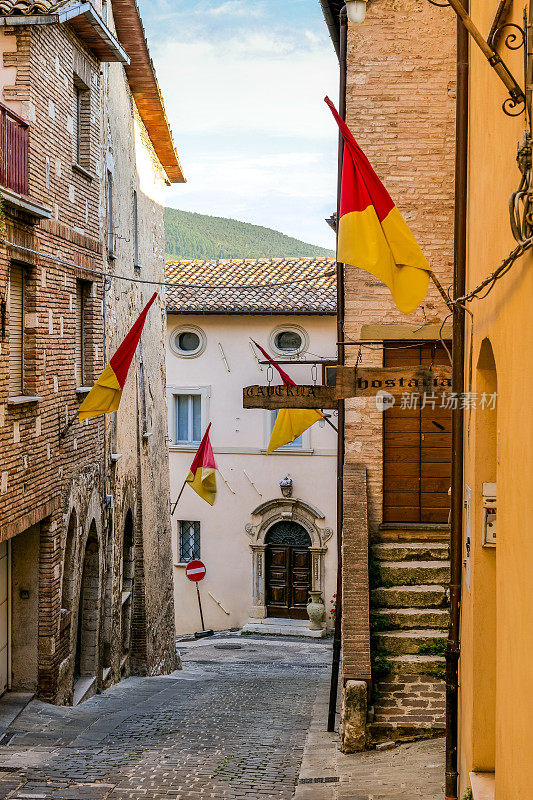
(344, 382)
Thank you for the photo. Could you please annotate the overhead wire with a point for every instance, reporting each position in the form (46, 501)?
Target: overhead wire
(170, 284)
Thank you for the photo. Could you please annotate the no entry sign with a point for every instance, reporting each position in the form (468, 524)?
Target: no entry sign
(195, 570)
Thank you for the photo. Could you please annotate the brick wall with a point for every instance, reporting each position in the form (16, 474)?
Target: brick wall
(58, 480)
(401, 109)
(355, 589)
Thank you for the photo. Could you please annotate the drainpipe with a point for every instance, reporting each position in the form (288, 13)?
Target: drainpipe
(458, 355)
(340, 405)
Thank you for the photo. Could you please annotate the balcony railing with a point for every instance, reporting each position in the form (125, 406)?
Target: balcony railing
(14, 137)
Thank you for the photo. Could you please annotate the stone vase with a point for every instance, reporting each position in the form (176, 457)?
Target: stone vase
(316, 611)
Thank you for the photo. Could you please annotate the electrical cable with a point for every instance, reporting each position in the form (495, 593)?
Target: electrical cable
(171, 285)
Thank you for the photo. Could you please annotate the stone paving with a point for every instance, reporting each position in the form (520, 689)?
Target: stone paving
(231, 724)
(403, 772)
(245, 718)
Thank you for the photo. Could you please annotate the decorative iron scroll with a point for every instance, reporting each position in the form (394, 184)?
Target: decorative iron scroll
(515, 40)
(288, 533)
(521, 201)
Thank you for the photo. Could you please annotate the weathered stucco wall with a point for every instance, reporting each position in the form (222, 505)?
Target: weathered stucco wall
(139, 479)
(496, 635)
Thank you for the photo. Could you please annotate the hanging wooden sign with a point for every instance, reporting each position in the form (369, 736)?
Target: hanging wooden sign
(345, 382)
(274, 397)
(366, 382)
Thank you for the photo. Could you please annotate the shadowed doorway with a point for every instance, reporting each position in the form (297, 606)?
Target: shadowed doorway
(288, 570)
(85, 663)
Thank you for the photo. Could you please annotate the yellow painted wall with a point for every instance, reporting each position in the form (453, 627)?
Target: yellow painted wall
(496, 666)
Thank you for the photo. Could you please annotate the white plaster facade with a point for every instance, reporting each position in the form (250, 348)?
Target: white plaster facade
(249, 499)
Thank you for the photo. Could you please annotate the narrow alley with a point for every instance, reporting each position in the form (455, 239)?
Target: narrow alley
(231, 724)
(235, 722)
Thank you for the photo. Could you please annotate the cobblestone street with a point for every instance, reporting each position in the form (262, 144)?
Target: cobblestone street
(231, 724)
(244, 718)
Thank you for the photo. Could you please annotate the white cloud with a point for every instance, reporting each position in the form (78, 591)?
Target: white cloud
(245, 102)
(292, 192)
(259, 83)
(233, 8)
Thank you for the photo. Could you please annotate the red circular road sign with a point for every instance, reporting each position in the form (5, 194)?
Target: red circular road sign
(195, 570)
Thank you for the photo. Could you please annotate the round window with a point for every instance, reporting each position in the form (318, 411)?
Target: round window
(188, 341)
(289, 341)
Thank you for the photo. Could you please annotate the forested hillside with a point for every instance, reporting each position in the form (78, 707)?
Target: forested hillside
(190, 235)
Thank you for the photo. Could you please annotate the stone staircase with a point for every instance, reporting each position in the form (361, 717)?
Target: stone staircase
(409, 623)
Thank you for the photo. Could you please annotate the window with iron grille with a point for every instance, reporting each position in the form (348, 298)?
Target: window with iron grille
(189, 540)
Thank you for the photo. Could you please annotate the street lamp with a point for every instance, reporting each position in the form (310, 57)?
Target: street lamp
(356, 10)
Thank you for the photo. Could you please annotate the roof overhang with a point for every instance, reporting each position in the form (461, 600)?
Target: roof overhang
(248, 312)
(144, 87)
(86, 23)
(331, 10)
(91, 29)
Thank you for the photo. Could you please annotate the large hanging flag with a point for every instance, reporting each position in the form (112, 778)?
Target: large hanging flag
(290, 422)
(104, 397)
(372, 233)
(202, 474)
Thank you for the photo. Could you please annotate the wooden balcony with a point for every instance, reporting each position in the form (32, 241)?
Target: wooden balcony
(14, 139)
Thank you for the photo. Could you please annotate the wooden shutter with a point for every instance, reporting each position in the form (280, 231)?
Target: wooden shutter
(16, 330)
(416, 447)
(78, 353)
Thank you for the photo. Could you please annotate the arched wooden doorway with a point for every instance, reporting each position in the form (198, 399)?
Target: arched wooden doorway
(288, 570)
(85, 663)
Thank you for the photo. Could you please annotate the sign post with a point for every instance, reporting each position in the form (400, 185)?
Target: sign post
(195, 571)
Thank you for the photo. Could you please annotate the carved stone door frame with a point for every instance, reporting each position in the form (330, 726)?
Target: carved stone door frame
(263, 518)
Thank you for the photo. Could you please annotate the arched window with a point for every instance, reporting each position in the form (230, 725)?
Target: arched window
(289, 534)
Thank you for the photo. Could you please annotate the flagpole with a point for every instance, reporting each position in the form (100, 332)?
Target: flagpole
(331, 423)
(337, 636)
(177, 501)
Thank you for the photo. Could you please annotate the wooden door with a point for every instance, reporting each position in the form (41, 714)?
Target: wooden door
(288, 581)
(416, 446)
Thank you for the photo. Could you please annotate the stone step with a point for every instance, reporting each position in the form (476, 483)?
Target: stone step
(398, 732)
(409, 596)
(391, 618)
(399, 643)
(409, 551)
(417, 665)
(395, 573)
(406, 532)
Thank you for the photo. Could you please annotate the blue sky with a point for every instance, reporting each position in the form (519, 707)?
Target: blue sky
(243, 83)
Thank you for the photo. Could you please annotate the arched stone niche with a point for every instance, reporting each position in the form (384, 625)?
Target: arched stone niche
(263, 518)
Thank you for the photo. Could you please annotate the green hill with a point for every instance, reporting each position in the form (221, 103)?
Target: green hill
(190, 235)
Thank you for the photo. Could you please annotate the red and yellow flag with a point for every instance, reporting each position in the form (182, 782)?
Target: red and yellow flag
(373, 235)
(290, 422)
(104, 397)
(202, 474)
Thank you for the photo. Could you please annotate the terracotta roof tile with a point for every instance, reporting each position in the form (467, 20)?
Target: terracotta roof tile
(27, 7)
(252, 286)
